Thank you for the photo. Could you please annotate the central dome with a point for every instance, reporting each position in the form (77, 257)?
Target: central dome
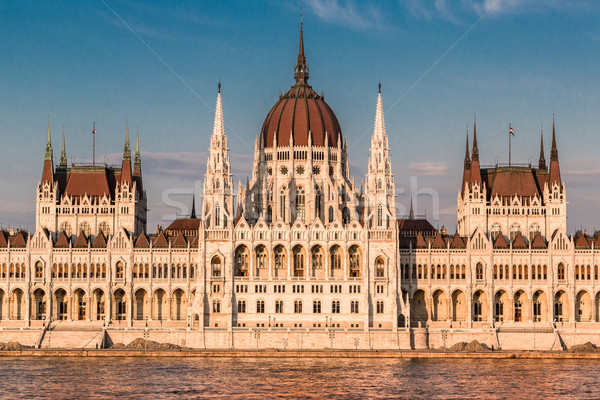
(299, 112)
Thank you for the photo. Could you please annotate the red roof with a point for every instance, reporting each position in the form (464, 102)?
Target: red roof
(3, 240)
(188, 226)
(161, 241)
(538, 242)
(415, 225)
(81, 240)
(100, 241)
(62, 241)
(142, 241)
(519, 242)
(458, 242)
(421, 244)
(581, 241)
(19, 240)
(501, 242)
(179, 241)
(438, 242)
(92, 181)
(299, 111)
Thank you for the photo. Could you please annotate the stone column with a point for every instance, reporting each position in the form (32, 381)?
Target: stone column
(169, 305)
(28, 306)
(89, 307)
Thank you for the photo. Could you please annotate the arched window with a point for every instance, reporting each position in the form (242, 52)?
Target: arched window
(216, 306)
(379, 215)
(279, 307)
(354, 259)
(379, 268)
(279, 258)
(260, 307)
(335, 307)
(515, 229)
(241, 306)
(316, 307)
(317, 258)
(534, 229)
(217, 215)
(215, 267)
(298, 254)
(119, 270)
(66, 228)
(318, 205)
(345, 215)
(298, 307)
(495, 230)
(103, 227)
(336, 258)
(354, 307)
(261, 256)
(330, 213)
(300, 204)
(39, 270)
(379, 306)
(479, 272)
(282, 203)
(561, 272)
(85, 228)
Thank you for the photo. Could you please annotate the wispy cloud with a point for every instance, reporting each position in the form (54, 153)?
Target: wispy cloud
(347, 13)
(455, 11)
(430, 168)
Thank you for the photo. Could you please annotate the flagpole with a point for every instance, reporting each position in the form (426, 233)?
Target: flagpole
(509, 149)
(94, 145)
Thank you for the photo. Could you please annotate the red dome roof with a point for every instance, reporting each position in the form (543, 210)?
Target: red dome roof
(300, 111)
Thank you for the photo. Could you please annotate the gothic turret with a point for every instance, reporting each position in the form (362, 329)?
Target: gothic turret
(554, 167)
(467, 167)
(542, 160)
(217, 210)
(380, 180)
(126, 166)
(475, 170)
(63, 153)
(48, 170)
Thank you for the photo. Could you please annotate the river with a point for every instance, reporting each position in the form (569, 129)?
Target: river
(226, 378)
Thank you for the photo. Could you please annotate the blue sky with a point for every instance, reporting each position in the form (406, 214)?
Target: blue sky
(440, 62)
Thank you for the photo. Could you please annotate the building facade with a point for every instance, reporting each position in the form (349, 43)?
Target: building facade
(300, 246)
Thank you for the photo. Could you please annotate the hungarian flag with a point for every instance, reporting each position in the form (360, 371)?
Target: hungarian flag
(94, 130)
(511, 131)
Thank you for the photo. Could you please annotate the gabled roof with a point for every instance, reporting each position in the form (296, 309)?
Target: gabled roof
(179, 241)
(438, 242)
(519, 242)
(161, 241)
(62, 241)
(100, 241)
(457, 242)
(501, 243)
(538, 242)
(581, 241)
(188, 226)
(81, 240)
(421, 244)
(142, 241)
(194, 242)
(19, 240)
(3, 239)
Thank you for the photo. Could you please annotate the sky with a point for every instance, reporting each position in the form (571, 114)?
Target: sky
(440, 63)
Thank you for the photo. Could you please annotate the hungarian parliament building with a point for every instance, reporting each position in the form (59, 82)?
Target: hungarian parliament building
(300, 246)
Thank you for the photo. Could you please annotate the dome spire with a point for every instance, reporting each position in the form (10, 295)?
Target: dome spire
(301, 68)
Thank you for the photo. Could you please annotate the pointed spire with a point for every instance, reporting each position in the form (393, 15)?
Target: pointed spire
(137, 160)
(542, 161)
(475, 152)
(554, 167)
(193, 216)
(219, 125)
(554, 151)
(411, 213)
(48, 155)
(63, 153)
(126, 148)
(301, 69)
(467, 156)
(379, 131)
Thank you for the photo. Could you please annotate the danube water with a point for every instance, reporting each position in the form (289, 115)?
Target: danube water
(227, 378)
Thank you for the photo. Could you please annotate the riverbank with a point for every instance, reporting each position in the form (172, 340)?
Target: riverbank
(413, 354)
